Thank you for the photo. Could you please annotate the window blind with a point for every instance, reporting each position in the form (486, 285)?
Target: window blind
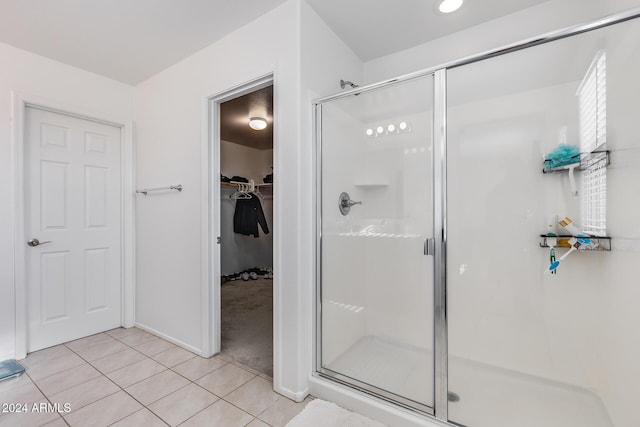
(592, 96)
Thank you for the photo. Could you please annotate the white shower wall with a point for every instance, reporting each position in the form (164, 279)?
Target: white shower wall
(499, 202)
(399, 276)
(343, 326)
(620, 343)
(374, 255)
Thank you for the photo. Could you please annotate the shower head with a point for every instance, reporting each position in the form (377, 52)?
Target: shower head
(344, 83)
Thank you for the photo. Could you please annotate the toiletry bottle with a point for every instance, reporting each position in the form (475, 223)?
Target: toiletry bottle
(552, 225)
(568, 225)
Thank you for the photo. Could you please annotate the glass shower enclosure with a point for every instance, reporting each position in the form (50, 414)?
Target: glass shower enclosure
(440, 215)
(377, 210)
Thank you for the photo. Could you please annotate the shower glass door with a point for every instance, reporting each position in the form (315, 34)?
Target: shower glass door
(530, 348)
(375, 299)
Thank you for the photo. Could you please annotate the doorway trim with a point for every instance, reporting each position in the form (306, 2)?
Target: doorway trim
(20, 102)
(210, 217)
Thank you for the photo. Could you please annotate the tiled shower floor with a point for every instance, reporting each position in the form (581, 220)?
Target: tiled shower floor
(128, 377)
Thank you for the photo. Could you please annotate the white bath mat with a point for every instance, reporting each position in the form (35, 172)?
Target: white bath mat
(320, 413)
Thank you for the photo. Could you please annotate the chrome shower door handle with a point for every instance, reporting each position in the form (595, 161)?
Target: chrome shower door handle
(430, 246)
(35, 242)
(346, 203)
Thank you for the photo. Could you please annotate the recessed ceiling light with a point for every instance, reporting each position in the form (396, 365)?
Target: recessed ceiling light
(257, 123)
(448, 6)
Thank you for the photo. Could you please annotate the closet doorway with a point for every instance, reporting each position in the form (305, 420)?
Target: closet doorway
(246, 228)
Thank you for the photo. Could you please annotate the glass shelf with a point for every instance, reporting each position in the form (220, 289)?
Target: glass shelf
(604, 243)
(581, 162)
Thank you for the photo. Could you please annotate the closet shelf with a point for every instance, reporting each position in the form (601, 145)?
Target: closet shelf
(604, 242)
(229, 184)
(582, 161)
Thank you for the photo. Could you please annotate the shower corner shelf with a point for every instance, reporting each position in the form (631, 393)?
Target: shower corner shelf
(582, 162)
(604, 242)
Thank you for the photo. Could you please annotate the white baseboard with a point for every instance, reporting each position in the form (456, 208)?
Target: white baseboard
(175, 341)
(295, 396)
(8, 356)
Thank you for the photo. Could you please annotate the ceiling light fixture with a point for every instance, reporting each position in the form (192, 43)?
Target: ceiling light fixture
(257, 123)
(448, 6)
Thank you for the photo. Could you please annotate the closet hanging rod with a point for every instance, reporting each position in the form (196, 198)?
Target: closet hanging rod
(171, 187)
(229, 184)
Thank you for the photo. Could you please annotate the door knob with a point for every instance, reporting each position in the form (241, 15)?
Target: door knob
(35, 242)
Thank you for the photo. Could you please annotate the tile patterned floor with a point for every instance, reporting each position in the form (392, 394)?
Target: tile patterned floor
(131, 378)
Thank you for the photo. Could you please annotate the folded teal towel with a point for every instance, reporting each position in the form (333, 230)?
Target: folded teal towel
(563, 154)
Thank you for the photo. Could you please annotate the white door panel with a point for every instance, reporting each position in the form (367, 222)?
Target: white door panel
(73, 202)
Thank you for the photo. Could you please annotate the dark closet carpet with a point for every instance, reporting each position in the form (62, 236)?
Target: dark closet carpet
(247, 323)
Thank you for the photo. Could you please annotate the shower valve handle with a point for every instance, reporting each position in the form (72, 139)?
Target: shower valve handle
(346, 203)
(350, 203)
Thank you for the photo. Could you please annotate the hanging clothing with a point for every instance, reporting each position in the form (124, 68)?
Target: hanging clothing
(248, 215)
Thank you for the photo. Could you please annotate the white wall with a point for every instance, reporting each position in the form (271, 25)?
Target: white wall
(169, 114)
(240, 252)
(531, 22)
(41, 77)
(325, 60)
(169, 123)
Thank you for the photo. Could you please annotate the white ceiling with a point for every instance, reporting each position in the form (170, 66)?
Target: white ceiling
(131, 40)
(126, 40)
(375, 28)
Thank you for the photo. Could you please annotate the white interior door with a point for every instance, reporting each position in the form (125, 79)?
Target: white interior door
(73, 197)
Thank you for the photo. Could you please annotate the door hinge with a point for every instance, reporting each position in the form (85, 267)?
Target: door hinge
(430, 246)
(218, 240)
